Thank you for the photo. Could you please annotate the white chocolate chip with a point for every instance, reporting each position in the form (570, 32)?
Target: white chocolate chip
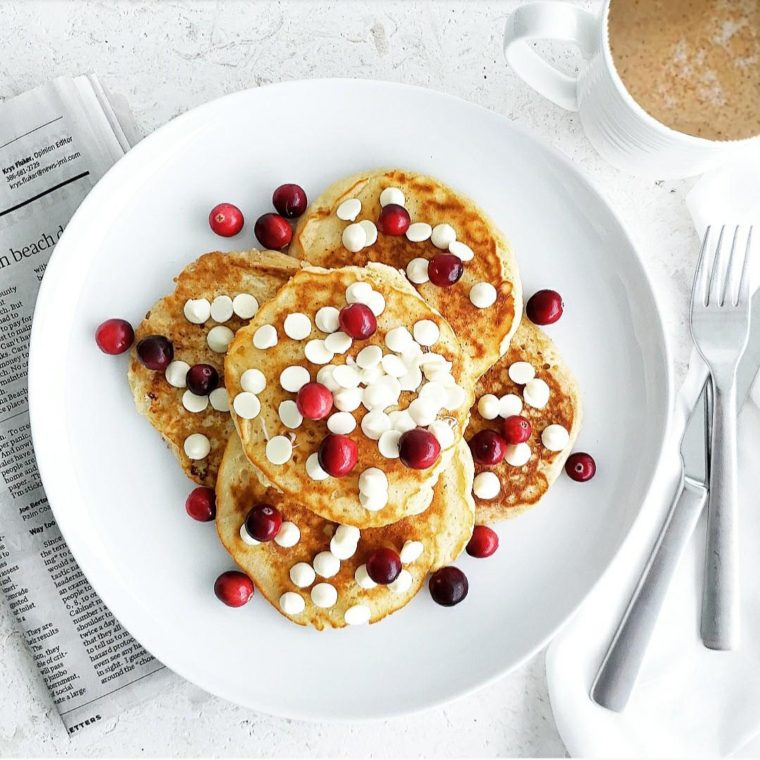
(369, 356)
(246, 405)
(443, 433)
(394, 365)
(373, 502)
(317, 352)
(221, 309)
(510, 405)
(292, 603)
(253, 381)
(483, 295)
(423, 411)
(426, 332)
(326, 319)
(361, 576)
(338, 342)
(289, 414)
(358, 292)
(371, 375)
(418, 232)
(411, 380)
(197, 310)
(247, 538)
(354, 238)
(370, 230)
(349, 209)
(219, 339)
(443, 235)
(392, 195)
(342, 549)
(326, 564)
(289, 535)
(297, 326)
(555, 437)
(197, 446)
(265, 337)
(398, 338)
(279, 449)
(194, 403)
(402, 584)
(325, 377)
(375, 423)
(434, 392)
(381, 394)
(462, 251)
(245, 305)
(314, 469)
(345, 376)
(347, 534)
(358, 614)
(302, 574)
(376, 303)
(455, 397)
(324, 595)
(536, 393)
(219, 399)
(417, 271)
(517, 455)
(411, 551)
(486, 485)
(521, 372)
(347, 399)
(401, 420)
(293, 378)
(388, 444)
(176, 374)
(373, 479)
(488, 406)
(341, 423)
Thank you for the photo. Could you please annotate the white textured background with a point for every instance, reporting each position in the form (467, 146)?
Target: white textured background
(168, 57)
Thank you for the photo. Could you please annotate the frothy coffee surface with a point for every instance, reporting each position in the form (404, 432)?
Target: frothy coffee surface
(692, 64)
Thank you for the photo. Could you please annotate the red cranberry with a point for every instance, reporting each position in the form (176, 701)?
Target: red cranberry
(448, 586)
(233, 588)
(444, 269)
(201, 504)
(488, 447)
(202, 379)
(383, 566)
(263, 522)
(580, 466)
(544, 307)
(114, 336)
(393, 220)
(226, 220)
(516, 429)
(314, 401)
(272, 231)
(418, 449)
(337, 455)
(289, 200)
(155, 352)
(357, 320)
(484, 542)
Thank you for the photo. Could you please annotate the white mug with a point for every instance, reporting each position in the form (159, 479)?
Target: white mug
(617, 126)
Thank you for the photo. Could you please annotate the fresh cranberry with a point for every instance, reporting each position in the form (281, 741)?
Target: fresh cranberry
(226, 220)
(202, 379)
(580, 466)
(201, 504)
(233, 588)
(393, 220)
(448, 586)
(484, 542)
(357, 320)
(418, 449)
(544, 307)
(444, 269)
(272, 231)
(155, 352)
(337, 455)
(114, 336)
(383, 566)
(289, 200)
(263, 522)
(488, 447)
(516, 429)
(314, 401)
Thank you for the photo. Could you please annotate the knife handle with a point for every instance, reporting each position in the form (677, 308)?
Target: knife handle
(621, 664)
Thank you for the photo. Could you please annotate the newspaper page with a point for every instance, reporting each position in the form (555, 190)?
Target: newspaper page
(55, 143)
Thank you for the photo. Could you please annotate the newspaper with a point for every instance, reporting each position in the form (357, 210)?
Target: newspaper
(55, 143)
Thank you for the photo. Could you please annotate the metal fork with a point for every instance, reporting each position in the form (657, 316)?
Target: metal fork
(720, 328)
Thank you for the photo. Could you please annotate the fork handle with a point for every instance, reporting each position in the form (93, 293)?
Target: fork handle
(720, 599)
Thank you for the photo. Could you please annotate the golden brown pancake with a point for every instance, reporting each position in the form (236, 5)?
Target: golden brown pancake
(484, 333)
(444, 529)
(522, 487)
(259, 273)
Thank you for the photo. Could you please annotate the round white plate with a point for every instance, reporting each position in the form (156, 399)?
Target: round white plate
(118, 494)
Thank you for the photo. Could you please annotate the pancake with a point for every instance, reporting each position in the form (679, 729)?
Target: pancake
(409, 491)
(259, 273)
(522, 487)
(444, 530)
(483, 332)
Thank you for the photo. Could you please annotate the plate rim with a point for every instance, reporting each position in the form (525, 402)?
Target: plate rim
(36, 385)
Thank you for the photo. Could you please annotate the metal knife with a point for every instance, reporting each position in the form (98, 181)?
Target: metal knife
(617, 674)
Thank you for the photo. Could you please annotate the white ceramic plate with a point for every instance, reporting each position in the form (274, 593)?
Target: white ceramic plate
(118, 495)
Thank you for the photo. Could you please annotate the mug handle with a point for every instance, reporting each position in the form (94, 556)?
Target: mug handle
(548, 21)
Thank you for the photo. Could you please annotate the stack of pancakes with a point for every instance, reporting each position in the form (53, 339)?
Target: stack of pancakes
(261, 450)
